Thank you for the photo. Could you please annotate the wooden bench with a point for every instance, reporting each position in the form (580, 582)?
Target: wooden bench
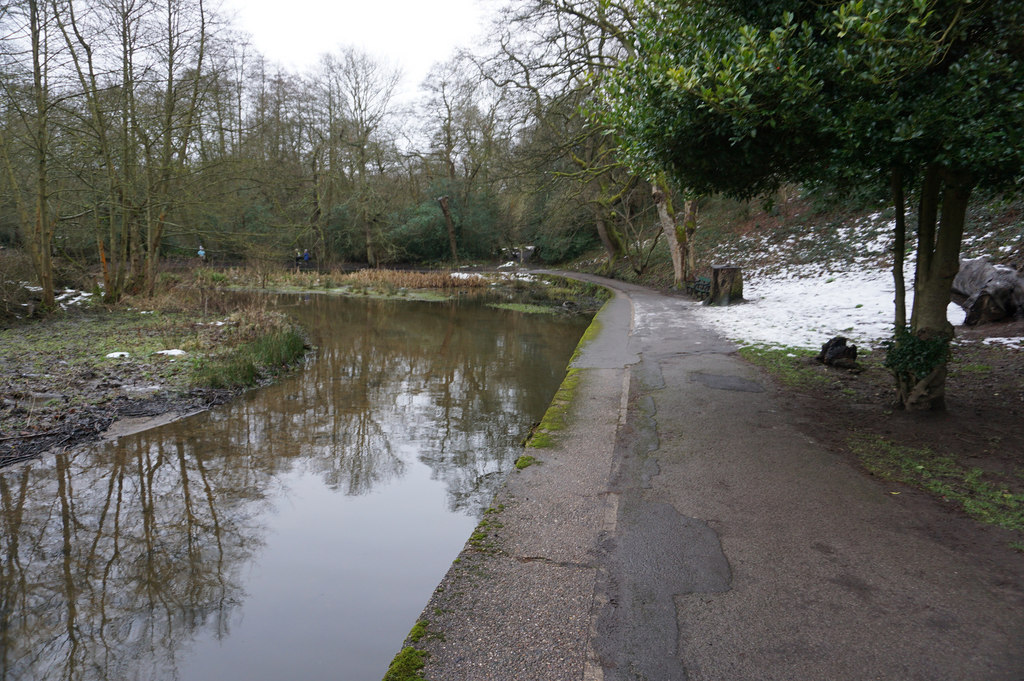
(699, 287)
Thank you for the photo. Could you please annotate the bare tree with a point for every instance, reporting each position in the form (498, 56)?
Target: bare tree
(27, 26)
(367, 88)
(466, 130)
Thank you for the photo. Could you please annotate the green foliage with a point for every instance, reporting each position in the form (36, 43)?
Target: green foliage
(561, 242)
(981, 499)
(908, 355)
(423, 234)
(737, 98)
(205, 276)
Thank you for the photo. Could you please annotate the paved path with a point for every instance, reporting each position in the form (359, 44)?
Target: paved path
(684, 528)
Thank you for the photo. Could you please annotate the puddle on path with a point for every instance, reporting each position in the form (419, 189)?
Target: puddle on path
(295, 533)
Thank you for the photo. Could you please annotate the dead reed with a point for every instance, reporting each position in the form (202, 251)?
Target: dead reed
(394, 279)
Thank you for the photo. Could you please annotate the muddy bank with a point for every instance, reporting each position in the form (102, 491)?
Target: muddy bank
(48, 428)
(67, 379)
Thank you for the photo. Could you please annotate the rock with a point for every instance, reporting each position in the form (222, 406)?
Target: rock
(993, 292)
(836, 353)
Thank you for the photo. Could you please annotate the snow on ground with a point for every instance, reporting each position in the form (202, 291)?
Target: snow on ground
(69, 297)
(804, 308)
(847, 291)
(1017, 342)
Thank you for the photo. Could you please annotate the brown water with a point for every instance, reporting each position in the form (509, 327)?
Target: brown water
(295, 533)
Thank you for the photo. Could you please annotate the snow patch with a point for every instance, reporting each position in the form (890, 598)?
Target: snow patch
(1008, 342)
(805, 307)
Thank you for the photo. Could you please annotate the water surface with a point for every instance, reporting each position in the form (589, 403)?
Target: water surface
(294, 533)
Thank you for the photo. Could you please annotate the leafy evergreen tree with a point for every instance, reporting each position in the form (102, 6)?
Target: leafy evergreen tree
(739, 96)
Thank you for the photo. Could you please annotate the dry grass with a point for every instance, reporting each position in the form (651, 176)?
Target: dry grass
(385, 279)
(370, 279)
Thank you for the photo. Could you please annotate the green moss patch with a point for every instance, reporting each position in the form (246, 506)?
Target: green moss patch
(555, 417)
(525, 461)
(589, 335)
(407, 665)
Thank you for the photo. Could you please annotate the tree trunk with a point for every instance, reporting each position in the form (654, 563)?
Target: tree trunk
(938, 261)
(371, 253)
(41, 238)
(450, 225)
(689, 229)
(155, 237)
(610, 239)
(899, 248)
(659, 188)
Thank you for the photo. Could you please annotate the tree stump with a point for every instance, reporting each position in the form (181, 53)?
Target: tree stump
(726, 285)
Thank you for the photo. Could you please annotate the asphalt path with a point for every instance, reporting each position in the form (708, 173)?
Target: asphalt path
(683, 527)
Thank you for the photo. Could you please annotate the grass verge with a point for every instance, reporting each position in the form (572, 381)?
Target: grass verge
(980, 495)
(792, 366)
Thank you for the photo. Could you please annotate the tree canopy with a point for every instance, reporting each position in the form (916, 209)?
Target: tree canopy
(738, 96)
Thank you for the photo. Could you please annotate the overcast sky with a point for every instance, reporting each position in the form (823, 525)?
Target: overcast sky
(410, 34)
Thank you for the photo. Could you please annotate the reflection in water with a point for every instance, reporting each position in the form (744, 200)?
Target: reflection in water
(294, 533)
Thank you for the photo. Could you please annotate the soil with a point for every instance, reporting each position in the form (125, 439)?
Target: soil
(981, 428)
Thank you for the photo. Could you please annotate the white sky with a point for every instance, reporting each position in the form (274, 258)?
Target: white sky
(409, 34)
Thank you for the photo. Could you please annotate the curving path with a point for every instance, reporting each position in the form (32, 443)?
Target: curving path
(683, 528)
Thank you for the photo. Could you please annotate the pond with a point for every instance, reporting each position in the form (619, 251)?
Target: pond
(296, 532)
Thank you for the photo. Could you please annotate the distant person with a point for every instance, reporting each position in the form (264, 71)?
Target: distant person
(202, 253)
(298, 257)
(305, 256)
